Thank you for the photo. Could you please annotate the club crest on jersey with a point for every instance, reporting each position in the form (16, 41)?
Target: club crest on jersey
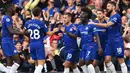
(94, 28)
(86, 28)
(8, 20)
(15, 51)
(71, 29)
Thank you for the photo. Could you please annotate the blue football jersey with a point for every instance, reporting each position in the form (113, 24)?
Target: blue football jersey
(87, 33)
(70, 42)
(36, 29)
(102, 32)
(6, 22)
(114, 31)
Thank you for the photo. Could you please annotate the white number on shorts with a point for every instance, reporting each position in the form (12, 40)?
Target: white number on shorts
(69, 56)
(119, 50)
(88, 53)
(34, 34)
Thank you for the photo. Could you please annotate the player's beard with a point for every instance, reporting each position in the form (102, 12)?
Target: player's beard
(109, 12)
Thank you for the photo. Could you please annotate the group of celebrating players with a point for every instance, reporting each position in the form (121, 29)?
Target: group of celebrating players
(99, 39)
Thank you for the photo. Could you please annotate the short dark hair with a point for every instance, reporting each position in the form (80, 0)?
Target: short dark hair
(101, 10)
(69, 14)
(36, 11)
(112, 2)
(87, 11)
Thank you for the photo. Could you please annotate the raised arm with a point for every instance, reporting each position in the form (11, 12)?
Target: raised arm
(12, 31)
(104, 25)
(52, 32)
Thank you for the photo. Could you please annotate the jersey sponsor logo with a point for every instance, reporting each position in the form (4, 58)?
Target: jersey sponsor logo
(85, 32)
(7, 20)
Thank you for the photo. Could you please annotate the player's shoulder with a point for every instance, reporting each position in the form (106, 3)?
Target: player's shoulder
(7, 18)
(117, 15)
(29, 21)
(41, 23)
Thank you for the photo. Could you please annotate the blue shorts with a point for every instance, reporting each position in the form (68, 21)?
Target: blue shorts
(37, 50)
(88, 53)
(8, 48)
(115, 47)
(73, 56)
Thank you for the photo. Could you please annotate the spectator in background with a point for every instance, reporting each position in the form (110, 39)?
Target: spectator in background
(54, 46)
(98, 4)
(70, 6)
(27, 62)
(53, 58)
(2, 13)
(126, 31)
(124, 22)
(17, 38)
(128, 13)
(77, 11)
(127, 50)
(51, 11)
(28, 15)
(124, 5)
(18, 46)
(58, 3)
(17, 21)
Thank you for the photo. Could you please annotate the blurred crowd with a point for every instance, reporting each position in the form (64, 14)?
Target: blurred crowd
(52, 15)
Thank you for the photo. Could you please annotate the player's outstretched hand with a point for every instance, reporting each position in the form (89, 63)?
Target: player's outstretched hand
(56, 29)
(62, 29)
(100, 51)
